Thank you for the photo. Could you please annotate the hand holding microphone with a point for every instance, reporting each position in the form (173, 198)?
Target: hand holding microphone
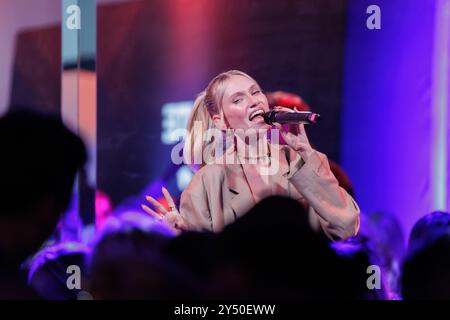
(299, 141)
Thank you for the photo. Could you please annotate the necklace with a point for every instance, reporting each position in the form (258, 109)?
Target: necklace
(257, 156)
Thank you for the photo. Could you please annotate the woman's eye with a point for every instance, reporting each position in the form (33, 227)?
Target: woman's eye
(237, 100)
(256, 92)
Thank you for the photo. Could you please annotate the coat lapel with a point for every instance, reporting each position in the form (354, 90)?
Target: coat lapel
(241, 196)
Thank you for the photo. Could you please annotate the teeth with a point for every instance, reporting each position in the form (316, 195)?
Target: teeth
(255, 113)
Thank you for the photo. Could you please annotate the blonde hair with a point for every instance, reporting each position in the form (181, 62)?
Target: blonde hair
(207, 104)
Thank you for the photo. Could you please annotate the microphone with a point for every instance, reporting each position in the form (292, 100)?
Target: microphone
(281, 117)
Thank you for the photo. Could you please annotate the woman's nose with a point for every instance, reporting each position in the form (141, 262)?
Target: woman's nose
(253, 101)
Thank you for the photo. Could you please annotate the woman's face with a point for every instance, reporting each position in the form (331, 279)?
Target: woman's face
(242, 102)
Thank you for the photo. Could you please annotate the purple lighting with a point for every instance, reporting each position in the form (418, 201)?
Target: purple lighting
(394, 115)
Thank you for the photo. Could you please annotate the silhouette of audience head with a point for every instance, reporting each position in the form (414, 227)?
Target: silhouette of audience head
(52, 266)
(361, 275)
(195, 251)
(259, 252)
(426, 269)
(272, 252)
(128, 262)
(429, 227)
(383, 232)
(39, 160)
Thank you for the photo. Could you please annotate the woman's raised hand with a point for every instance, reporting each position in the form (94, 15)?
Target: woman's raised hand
(172, 217)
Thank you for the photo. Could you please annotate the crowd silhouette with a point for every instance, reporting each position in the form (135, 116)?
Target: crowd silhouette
(269, 253)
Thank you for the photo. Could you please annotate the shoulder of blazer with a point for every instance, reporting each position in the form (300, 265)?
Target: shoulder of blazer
(214, 176)
(209, 172)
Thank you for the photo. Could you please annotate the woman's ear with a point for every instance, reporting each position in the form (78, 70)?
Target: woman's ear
(219, 121)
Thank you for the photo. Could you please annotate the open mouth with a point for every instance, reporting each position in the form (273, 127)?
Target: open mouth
(255, 113)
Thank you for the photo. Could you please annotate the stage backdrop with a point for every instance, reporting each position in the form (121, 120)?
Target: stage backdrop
(395, 107)
(155, 56)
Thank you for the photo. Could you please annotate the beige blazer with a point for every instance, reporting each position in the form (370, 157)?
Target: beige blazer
(218, 194)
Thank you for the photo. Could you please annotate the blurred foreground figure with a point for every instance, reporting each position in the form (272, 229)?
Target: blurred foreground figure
(128, 262)
(382, 231)
(426, 270)
(39, 160)
(259, 257)
(48, 273)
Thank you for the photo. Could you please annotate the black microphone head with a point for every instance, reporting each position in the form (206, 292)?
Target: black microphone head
(269, 117)
(283, 117)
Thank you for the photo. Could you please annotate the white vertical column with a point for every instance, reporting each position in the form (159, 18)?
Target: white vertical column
(79, 91)
(440, 105)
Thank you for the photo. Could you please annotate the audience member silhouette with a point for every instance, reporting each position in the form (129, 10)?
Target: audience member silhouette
(383, 233)
(55, 266)
(272, 253)
(39, 160)
(426, 270)
(128, 262)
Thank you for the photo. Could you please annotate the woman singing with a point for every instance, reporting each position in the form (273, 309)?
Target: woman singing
(222, 191)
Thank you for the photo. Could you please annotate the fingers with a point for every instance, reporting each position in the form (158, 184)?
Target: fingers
(151, 212)
(302, 132)
(284, 109)
(176, 220)
(156, 204)
(293, 141)
(287, 136)
(301, 128)
(277, 126)
(169, 199)
(162, 210)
